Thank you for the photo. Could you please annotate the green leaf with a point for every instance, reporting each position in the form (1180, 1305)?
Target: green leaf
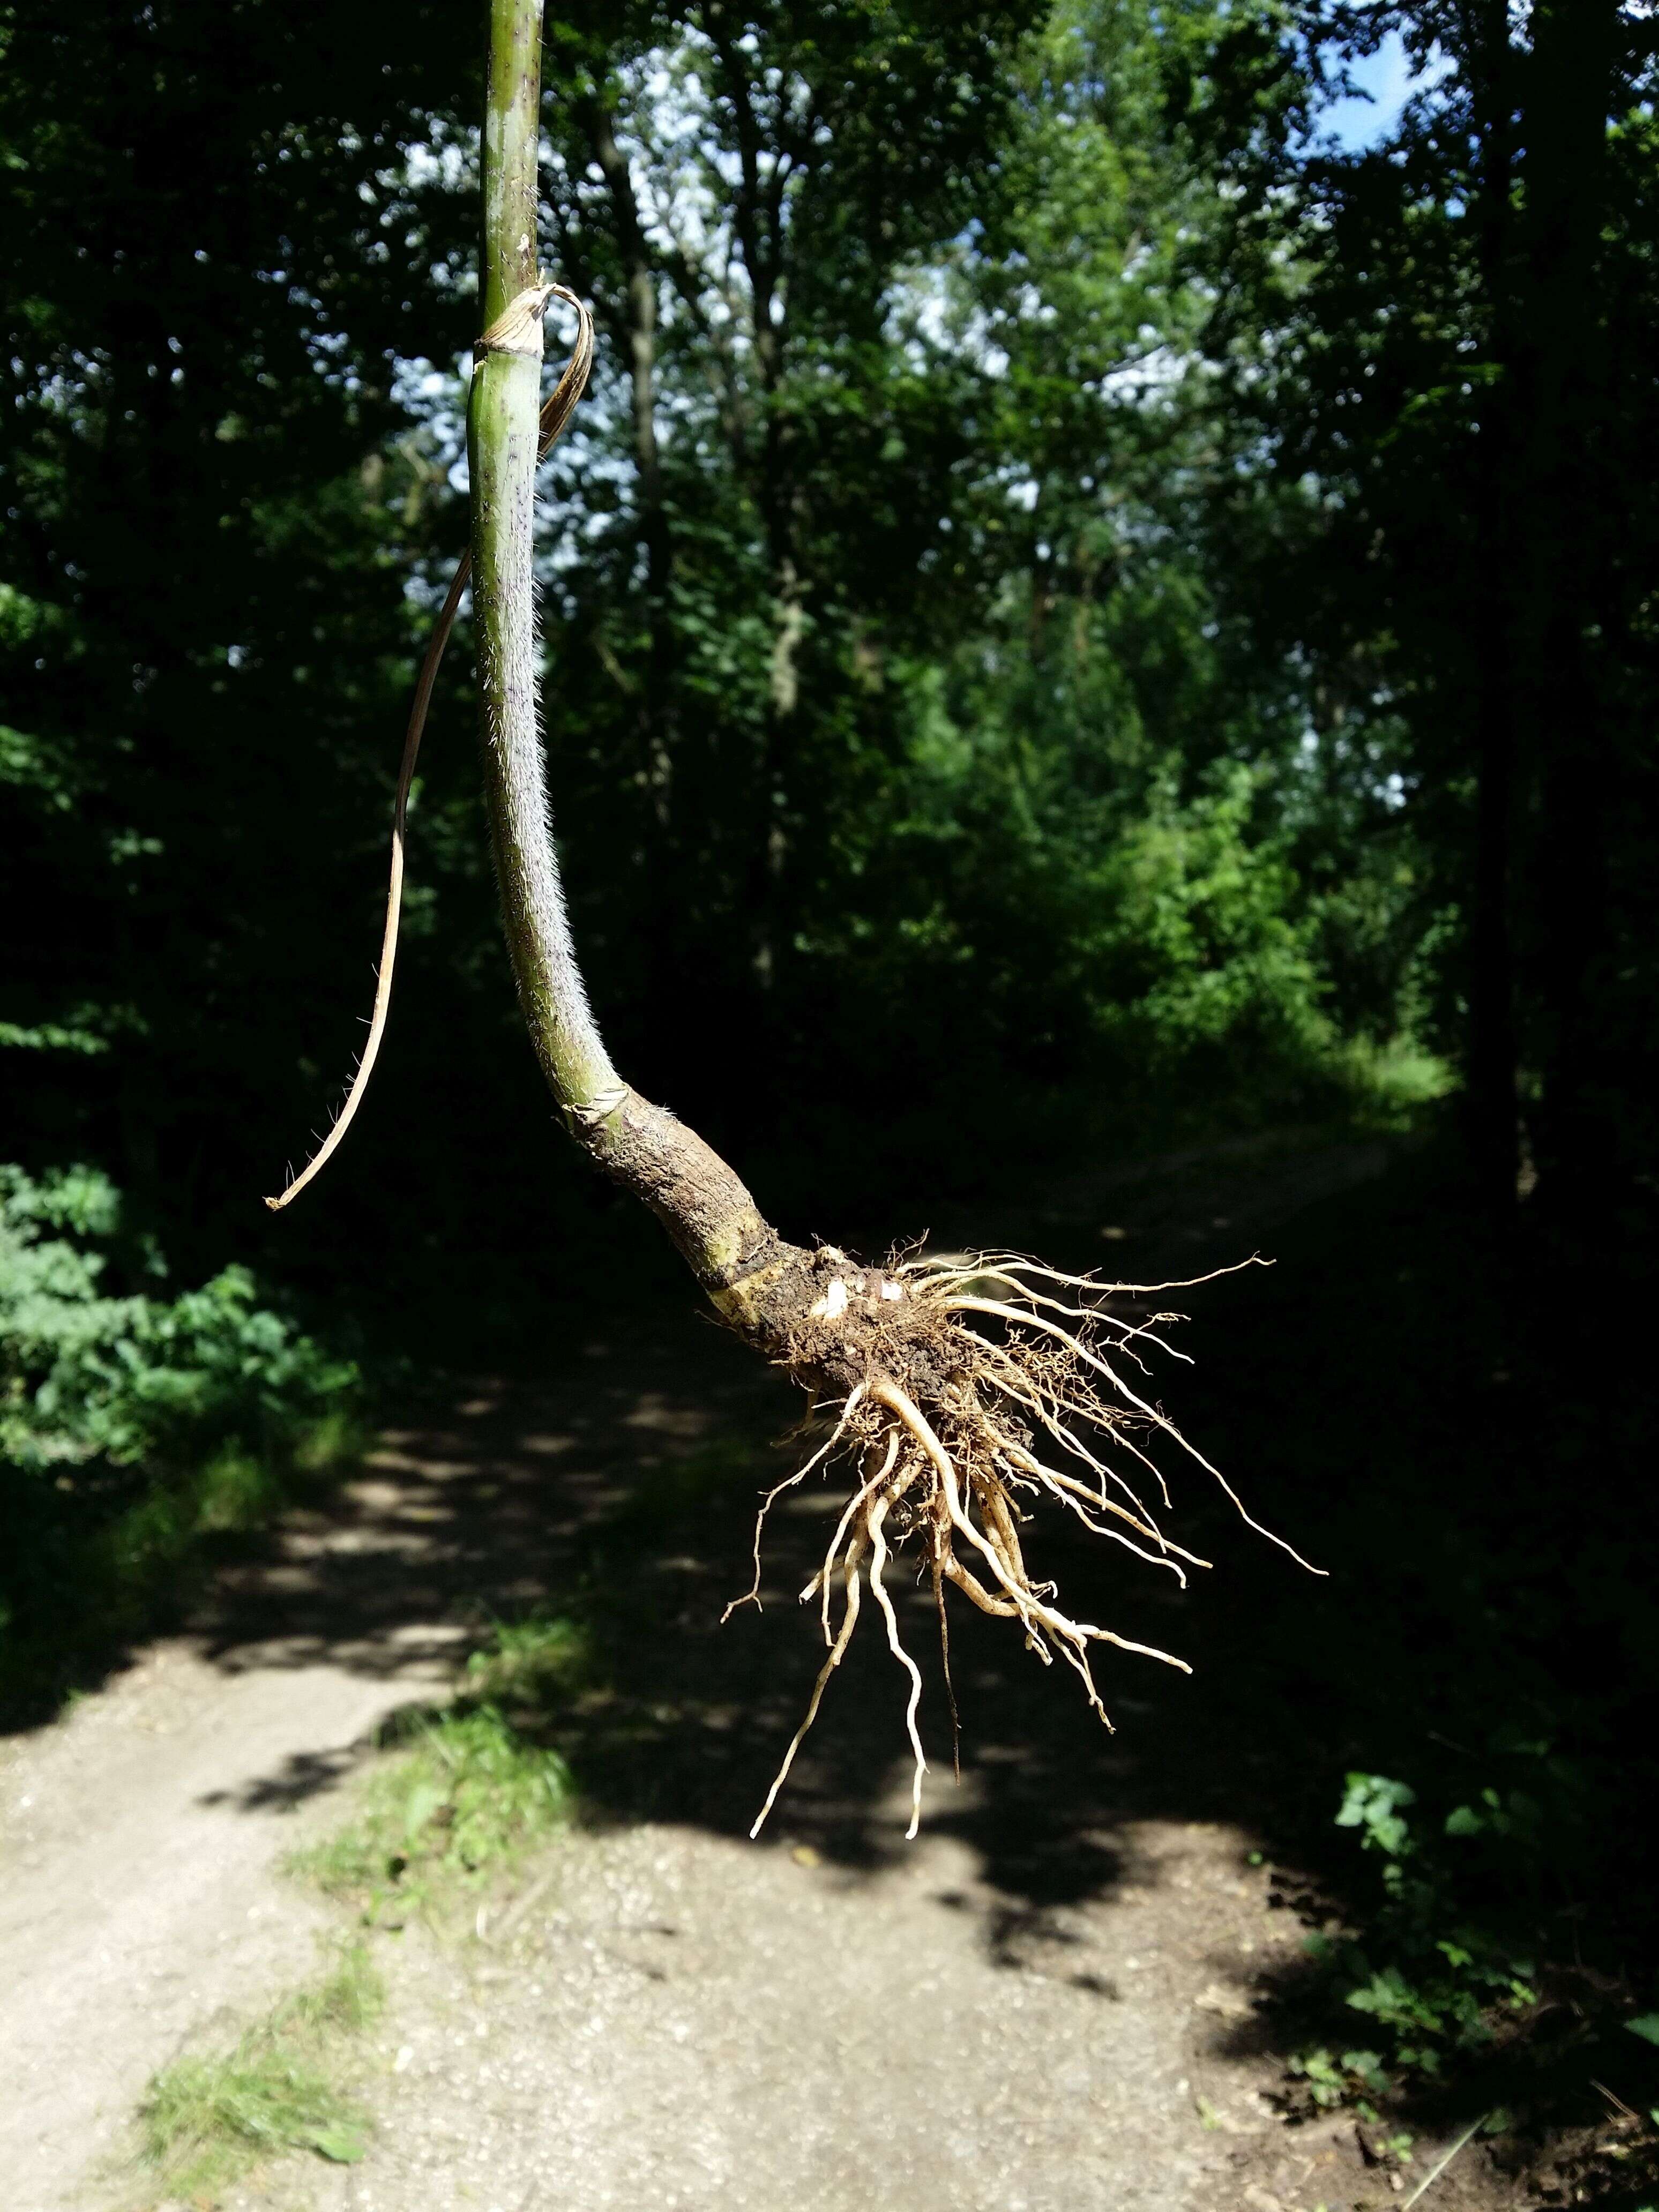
(1646, 2025)
(1374, 1802)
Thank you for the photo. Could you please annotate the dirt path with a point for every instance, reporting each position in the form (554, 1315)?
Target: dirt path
(1046, 2005)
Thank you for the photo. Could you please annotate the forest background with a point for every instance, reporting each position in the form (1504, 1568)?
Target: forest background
(1103, 597)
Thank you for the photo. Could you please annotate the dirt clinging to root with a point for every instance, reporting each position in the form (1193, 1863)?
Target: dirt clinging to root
(964, 1391)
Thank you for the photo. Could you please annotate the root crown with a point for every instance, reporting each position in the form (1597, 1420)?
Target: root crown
(968, 1391)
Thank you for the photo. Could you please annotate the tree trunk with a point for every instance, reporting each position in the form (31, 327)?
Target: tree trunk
(643, 376)
(1562, 390)
(1493, 1109)
(758, 221)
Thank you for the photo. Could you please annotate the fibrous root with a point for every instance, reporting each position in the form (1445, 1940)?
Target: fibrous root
(965, 1391)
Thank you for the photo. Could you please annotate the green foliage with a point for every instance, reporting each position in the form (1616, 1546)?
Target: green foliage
(1158, 940)
(925, 422)
(464, 1791)
(133, 1425)
(1433, 334)
(87, 1376)
(1338, 2078)
(1378, 1807)
(1444, 1958)
(205, 2120)
(202, 630)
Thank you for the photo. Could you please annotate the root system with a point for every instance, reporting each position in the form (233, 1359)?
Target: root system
(963, 1393)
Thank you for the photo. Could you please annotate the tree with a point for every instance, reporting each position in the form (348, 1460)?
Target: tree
(1003, 864)
(1438, 337)
(735, 194)
(219, 258)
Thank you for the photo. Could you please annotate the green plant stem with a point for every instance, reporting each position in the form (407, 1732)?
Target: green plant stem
(502, 436)
(702, 1203)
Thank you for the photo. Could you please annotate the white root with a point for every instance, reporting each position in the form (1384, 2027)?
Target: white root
(1129, 1332)
(751, 1596)
(1016, 1263)
(956, 1419)
(869, 1491)
(1072, 1635)
(836, 1652)
(1024, 1319)
(1071, 1494)
(878, 1589)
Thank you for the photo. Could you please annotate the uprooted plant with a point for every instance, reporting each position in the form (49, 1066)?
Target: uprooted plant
(961, 1391)
(955, 1432)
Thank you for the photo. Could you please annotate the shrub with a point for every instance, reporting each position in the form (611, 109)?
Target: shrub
(132, 1423)
(1447, 1953)
(85, 1376)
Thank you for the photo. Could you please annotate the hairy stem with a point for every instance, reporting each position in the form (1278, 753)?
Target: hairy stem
(502, 442)
(702, 1204)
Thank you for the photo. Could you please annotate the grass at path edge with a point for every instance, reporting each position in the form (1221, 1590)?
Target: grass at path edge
(207, 2118)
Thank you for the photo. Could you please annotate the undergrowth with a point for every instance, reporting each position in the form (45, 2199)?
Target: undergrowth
(207, 2119)
(1457, 1973)
(1434, 1981)
(1464, 1437)
(465, 1790)
(135, 1426)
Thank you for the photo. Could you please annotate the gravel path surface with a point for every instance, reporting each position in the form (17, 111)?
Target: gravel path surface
(696, 2022)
